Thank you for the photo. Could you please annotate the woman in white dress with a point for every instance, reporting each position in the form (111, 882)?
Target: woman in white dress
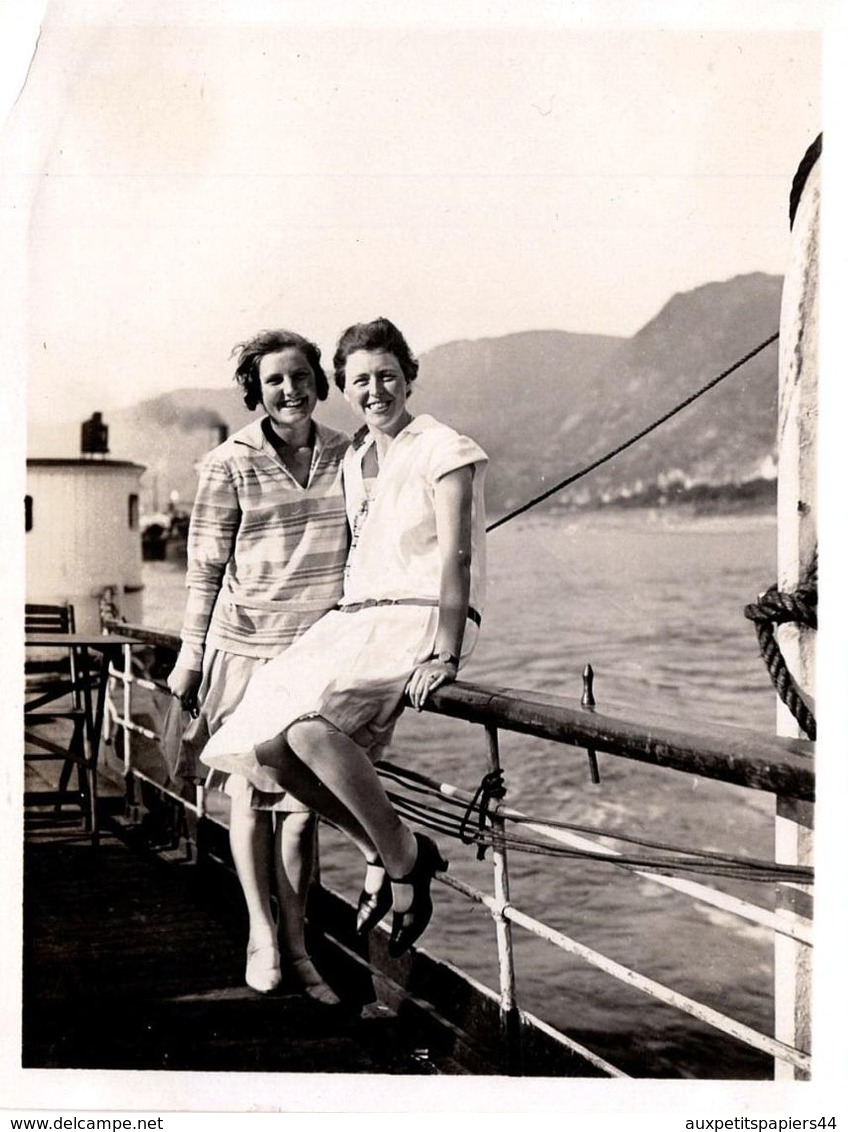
(316, 718)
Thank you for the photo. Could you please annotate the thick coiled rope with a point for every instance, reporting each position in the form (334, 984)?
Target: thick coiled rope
(774, 608)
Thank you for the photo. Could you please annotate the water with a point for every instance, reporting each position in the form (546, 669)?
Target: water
(654, 602)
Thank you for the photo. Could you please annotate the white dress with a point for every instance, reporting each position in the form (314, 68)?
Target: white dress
(352, 667)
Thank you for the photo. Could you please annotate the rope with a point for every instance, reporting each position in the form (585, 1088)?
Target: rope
(413, 781)
(491, 786)
(669, 860)
(774, 608)
(802, 176)
(747, 869)
(633, 439)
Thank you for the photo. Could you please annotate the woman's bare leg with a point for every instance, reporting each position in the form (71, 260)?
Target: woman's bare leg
(252, 847)
(348, 775)
(295, 845)
(346, 772)
(251, 844)
(295, 864)
(294, 775)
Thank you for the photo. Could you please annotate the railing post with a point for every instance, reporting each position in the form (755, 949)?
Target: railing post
(129, 785)
(588, 701)
(510, 1020)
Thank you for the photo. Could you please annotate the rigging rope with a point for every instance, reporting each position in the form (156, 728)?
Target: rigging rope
(413, 781)
(633, 439)
(670, 859)
(748, 869)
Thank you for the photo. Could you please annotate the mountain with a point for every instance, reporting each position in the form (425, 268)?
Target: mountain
(727, 437)
(542, 403)
(507, 393)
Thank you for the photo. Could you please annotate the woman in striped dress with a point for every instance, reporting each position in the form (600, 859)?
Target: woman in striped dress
(266, 552)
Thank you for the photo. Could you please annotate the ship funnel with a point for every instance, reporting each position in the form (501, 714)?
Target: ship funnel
(95, 436)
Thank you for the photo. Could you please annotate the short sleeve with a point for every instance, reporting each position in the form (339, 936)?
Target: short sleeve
(450, 451)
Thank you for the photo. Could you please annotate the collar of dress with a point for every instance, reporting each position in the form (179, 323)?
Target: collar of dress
(253, 437)
(363, 437)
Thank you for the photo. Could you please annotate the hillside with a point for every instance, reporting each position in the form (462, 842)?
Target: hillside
(542, 403)
(727, 437)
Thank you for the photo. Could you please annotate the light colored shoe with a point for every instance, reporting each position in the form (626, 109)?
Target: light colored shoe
(262, 972)
(313, 986)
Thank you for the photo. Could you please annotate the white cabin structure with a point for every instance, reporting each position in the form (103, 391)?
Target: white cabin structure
(83, 536)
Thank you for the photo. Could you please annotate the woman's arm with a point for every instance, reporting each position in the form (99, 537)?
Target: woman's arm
(453, 494)
(214, 523)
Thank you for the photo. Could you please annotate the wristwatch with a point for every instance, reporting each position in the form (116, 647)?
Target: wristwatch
(445, 657)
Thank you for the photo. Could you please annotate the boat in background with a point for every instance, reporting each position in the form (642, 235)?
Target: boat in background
(164, 534)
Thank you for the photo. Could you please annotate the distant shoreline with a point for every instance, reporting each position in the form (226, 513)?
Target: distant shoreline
(754, 498)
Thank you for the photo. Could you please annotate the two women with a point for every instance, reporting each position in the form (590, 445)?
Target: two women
(316, 718)
(266, 551)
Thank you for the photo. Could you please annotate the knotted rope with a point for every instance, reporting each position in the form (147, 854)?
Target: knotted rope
(491, 786)
(778, 608)
(438, 809)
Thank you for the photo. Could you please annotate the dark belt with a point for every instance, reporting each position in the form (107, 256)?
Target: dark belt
(371, 603)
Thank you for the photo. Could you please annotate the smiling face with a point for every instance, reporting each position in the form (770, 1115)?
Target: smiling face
(287, 386)
(376, 387)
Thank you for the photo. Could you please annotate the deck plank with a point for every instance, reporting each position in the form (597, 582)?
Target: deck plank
(134, 963)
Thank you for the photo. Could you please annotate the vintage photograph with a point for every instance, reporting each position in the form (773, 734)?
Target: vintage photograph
(415, 615)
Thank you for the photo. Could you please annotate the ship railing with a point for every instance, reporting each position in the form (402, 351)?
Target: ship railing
(782, 767)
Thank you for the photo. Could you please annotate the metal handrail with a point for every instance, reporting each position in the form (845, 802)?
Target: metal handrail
(781, 766)
(736, 755)
(729, 754)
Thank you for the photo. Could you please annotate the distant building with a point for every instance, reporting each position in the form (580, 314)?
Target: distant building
(82, 530)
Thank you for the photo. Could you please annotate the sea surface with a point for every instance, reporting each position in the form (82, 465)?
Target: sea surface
(654, 602)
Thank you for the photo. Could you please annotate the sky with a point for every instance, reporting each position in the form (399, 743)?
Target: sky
(188, 178)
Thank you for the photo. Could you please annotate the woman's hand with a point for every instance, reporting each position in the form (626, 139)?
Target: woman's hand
(184, 684)
(426, 678)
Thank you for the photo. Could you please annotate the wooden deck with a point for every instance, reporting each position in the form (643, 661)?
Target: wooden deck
(133, 958)
(135, 962)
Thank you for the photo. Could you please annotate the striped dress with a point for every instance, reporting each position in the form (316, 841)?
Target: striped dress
(265, 556)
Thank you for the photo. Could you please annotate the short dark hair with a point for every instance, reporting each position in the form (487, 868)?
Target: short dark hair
(380, 334)
(265, 342)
